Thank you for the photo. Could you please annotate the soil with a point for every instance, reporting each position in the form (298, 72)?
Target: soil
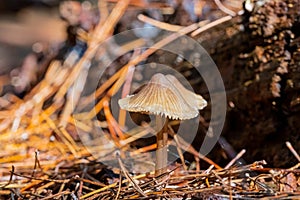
(264, 110)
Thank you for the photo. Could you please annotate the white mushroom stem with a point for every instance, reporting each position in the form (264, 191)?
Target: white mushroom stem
(162, 145)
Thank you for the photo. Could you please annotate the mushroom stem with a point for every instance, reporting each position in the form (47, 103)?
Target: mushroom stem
(162, 145)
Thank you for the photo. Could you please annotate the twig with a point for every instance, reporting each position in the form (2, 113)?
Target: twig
(102, 31)
(180, 152)
(294, 152)
(36, 163)
(10, 177)
(131, 180)
(110, 186)
(224, 9)
(102, 7)
(178, 147)
(112, 123)
(187, 147)
(229, 150)
(144, 149)
(197, 160)
(230, 187)
(238, 156)
(161, 25)
(55, 196)
(126, 88)
(210, 25)
(134, 137)
(119, 188)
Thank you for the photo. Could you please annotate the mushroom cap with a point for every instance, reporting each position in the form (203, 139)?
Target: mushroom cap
(165, 96)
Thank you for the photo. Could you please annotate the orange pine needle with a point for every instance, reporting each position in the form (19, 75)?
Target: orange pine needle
(111, 121)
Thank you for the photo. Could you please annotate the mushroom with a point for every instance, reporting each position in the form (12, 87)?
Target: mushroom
(165, 97)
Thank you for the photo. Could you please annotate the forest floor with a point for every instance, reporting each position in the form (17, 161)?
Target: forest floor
(63, 67)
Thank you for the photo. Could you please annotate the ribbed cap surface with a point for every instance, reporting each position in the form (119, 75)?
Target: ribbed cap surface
(165, 96)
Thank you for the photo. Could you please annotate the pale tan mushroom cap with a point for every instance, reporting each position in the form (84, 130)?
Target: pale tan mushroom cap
(165, 96)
